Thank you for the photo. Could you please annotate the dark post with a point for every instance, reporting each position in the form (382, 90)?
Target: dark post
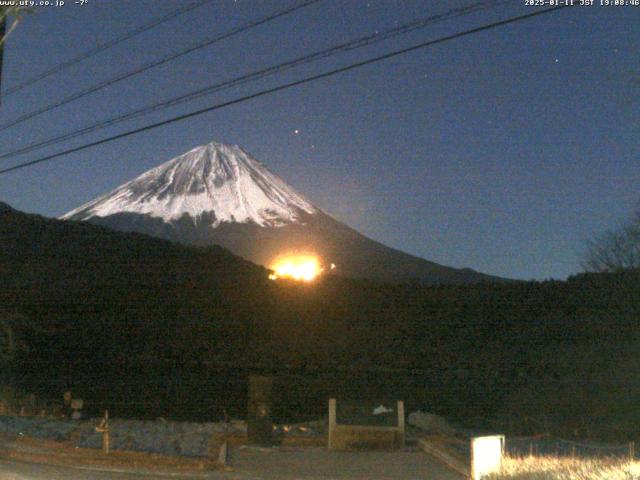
(3, 29)
(259, 423)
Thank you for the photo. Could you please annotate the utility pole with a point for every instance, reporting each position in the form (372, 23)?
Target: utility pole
(3, 30)
(6, 28)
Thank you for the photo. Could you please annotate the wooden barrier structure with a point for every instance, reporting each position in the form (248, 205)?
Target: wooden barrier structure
(359, 437)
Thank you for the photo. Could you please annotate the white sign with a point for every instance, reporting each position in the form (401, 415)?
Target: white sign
(486, 455)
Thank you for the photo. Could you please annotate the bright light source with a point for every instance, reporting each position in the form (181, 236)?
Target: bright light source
(297, 267)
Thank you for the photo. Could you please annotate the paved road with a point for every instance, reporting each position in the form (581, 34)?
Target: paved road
(10, 470)
(271, 464)
(320, 463)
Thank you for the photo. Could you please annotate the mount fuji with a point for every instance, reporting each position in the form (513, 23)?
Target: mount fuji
(219, 194)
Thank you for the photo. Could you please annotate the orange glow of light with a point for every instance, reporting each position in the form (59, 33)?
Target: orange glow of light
(304, 268)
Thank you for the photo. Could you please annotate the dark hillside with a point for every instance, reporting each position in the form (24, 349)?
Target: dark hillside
(148, 328)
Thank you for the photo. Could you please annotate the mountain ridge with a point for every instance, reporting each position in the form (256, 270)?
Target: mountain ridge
(219, 194)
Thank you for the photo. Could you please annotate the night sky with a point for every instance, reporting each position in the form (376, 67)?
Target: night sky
(502, 151)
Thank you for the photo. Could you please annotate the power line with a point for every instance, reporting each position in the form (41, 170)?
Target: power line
(158, 62)
(322, 54)
(285, 86)
(104, 46)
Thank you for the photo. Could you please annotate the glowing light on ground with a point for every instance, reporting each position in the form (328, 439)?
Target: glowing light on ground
(297, 267)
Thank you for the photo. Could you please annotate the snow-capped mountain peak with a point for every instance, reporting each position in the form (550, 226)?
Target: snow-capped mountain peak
(214, 178)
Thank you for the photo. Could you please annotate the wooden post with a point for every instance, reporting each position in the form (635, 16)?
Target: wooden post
(104, 429)
(332, 420)
(223, 454)
(401, 426)
(632, 451)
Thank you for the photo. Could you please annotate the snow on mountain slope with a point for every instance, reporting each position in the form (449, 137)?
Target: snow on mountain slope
(219, 195)
(214, 178)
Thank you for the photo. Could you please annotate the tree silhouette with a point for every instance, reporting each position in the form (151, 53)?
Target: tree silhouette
(615, 250)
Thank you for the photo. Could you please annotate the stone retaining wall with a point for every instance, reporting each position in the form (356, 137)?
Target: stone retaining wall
(162, 437)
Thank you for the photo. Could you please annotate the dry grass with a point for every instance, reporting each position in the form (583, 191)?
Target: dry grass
(556, 468)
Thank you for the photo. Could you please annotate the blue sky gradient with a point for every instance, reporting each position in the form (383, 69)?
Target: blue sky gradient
(502, 151)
